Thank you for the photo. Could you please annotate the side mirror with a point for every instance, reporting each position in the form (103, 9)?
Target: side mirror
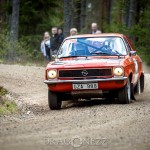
(132, 53)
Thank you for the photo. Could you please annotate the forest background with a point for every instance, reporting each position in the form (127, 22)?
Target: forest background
(23, 22)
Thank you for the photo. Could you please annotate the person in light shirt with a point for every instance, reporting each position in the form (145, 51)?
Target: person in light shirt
(73, 31)
(45, 46)
(95, 29)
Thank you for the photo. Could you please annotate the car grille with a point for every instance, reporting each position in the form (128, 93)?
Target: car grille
(85, 73)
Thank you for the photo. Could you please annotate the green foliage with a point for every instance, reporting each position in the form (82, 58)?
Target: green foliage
(25, 50)
(37, 17)
(139, 33)
(142, 34)
(142, 29)
(3, 91)
(6, 106)
(116, 28)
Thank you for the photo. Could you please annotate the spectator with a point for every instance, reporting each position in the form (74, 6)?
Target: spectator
(73, 31)
(45, 46)
(61, 35)
(94, 29)
(98, 32)
(54, 41)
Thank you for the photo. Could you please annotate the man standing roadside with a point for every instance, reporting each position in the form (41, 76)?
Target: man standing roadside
(54, 41)
(61, 35)
(94, 29)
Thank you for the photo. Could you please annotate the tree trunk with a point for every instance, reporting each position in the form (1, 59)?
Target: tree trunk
(83, 14)
(14, 31)
(132, 13)
(88, 17)
(97, 12)
(72, 13)
(67, 17)
(125, 13)
(1, 15)
(112, 2)
(77, 14)
(106, 8)
(14, 21)
(99, 15)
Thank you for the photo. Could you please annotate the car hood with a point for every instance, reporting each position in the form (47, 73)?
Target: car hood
(85, 63)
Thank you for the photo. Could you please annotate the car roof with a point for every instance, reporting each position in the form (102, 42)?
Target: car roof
(95, 35)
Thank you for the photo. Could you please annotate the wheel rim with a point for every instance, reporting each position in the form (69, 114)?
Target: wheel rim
(129, 90)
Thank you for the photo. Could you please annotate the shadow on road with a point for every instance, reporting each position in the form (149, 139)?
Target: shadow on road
(87, 103)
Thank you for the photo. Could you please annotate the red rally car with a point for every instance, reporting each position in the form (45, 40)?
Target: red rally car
(94, 66)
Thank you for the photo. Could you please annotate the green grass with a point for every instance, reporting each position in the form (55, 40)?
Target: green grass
(6, 106)
(3, 91)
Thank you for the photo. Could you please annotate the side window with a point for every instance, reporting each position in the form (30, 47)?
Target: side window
(127, 45)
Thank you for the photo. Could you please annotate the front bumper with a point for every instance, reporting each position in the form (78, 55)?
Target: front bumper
(103, 84)
(84, 80)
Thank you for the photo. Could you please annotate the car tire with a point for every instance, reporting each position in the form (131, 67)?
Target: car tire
(110, 97)
(53, 101)
(124, 94)
(138, 87)
(142, 83)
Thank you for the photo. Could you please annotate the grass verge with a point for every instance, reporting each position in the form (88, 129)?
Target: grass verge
(6, 106)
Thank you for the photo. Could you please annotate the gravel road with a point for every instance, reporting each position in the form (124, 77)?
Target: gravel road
(85, 125)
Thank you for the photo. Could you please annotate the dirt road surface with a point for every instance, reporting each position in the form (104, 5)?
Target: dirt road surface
(86, 125)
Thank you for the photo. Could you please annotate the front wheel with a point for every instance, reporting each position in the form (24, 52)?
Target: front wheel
(53, 100)
(124, 94)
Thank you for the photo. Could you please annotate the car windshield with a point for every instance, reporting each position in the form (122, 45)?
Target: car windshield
(93, 46)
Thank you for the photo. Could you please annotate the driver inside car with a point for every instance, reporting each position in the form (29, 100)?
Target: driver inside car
(80, 50)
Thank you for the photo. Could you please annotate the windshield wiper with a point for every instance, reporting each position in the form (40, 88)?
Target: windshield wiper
(108, 54)
(99, 53)
(116, 52)
(73, 56)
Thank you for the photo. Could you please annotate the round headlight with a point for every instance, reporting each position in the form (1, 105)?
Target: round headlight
(52, 74)
(118, 71)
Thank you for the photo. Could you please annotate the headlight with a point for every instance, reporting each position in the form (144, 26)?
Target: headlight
(52, 74)
(118, 71)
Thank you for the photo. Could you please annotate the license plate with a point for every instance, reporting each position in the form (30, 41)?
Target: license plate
(85, 86)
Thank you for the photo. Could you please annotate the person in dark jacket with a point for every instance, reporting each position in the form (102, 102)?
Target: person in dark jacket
(61, 35)
(54, 41)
